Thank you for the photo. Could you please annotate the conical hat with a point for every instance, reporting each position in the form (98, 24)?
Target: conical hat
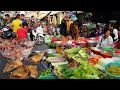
(73, 18)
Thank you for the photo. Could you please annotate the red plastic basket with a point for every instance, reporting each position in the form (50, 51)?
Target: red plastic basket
(81, 44)
(106, 55)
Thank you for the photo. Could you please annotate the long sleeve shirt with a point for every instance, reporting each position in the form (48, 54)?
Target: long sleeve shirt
(105, 42)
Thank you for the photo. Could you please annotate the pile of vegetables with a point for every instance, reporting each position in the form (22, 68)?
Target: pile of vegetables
(103, 75)
(46, 72)
(83, 71)
(94, 60)
(78, 54)
(81, 56)
(102, 62)
(114, 70)
(51, 45)
(48, 38)
(71, 52)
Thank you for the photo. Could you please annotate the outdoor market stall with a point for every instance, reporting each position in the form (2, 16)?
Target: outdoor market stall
(75, 59)
(81, 60)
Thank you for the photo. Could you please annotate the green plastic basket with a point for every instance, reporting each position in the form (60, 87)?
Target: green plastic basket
(47, 77)
(109, 49)
(112, 63)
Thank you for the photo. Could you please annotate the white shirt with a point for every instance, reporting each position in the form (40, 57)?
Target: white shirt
(105, 42)
(115, 32)
(39, 30)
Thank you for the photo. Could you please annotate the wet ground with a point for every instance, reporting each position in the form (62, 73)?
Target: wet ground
(3, 62)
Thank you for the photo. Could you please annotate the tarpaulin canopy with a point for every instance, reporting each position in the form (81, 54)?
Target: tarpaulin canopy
(54, 12)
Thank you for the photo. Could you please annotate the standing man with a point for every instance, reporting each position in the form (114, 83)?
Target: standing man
(15, 25)
(32, 19)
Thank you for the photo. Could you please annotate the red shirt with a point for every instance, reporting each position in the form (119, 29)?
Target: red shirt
(22, 33)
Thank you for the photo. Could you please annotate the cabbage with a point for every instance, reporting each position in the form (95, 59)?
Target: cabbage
(105, 61)
(102, 62)
(72, 50)
(47, 39)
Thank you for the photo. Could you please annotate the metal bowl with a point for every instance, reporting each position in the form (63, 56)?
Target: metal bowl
(58, 43)
(92, 43)
(51, 51)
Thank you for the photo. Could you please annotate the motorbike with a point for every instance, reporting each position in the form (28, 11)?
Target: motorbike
(5, 33)
(38, 35)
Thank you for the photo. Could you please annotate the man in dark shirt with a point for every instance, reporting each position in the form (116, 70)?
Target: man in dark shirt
(7, 20)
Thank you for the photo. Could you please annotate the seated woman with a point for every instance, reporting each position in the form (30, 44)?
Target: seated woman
(22, 32)
(105, 39)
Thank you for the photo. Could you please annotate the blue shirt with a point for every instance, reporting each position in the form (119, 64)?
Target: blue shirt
(23, 20)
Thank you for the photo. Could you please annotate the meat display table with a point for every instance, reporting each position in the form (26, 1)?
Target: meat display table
(3, 61)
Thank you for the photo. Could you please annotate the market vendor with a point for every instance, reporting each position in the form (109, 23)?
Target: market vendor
(74, 32)
(63, 29)
(105, 39)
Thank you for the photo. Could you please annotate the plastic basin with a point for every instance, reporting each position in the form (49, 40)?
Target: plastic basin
(47, 77)
(114, 64)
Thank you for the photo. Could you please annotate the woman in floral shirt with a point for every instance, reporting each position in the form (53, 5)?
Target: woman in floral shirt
(105, 39)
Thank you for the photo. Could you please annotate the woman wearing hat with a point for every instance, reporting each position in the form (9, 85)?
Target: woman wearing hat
(74, 32)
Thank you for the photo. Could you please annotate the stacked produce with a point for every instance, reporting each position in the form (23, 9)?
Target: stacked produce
(114, 70)
(80, 70)
(16, 48)
(52, 45)
(78, 54)
(83, 71)
(48, 39)
(94, 59)
(102, 62)
(71, 52)
(46, 72)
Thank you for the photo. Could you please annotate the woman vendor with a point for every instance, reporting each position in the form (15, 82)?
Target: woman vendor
(105, 39)
(74, 32)
(63, 29)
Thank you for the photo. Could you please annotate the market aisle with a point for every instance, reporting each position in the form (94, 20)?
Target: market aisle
(3, 62)
(41, 47)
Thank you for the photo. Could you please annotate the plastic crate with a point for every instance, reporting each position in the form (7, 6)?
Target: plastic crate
(109, 49)
(113, 63)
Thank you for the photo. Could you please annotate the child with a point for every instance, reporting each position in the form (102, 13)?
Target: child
(22, 31)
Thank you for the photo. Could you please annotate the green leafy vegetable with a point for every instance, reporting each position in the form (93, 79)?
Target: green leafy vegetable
(52, 45)
(46, 72)
(72, 50)
(53, 55)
